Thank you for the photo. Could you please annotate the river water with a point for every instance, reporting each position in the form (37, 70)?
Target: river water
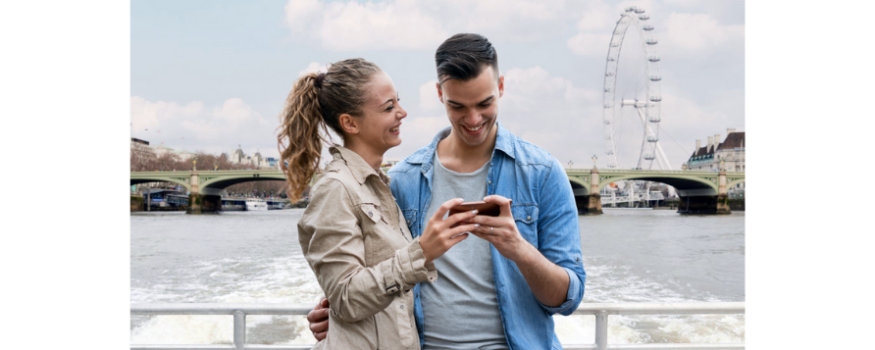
(254, 257)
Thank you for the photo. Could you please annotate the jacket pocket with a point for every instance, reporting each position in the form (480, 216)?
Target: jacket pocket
(370, 211)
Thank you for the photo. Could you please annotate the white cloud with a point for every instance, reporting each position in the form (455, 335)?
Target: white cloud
(191, 126)
(314, 67)
(589, 44)
(151, 115)
(422, 25)
(428, 98)
(697, 32)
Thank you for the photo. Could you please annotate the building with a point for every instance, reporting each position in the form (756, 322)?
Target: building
(141, 150)
(730, 152)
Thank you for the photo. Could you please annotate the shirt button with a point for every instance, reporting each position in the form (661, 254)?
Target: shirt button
(370, 214)
(528, 217)
(489, 182)
(402, 306)
(408, 222)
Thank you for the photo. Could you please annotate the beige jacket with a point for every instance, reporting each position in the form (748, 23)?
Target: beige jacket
(363, 256)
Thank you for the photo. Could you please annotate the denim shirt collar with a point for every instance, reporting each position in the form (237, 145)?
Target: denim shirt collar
(504, 143)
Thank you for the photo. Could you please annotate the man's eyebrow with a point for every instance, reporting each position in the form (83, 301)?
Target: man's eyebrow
(488, 99)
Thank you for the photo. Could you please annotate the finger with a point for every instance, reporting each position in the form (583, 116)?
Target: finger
(487, 237)
(444, 208)
(491, 221)
(455, 218)
(503, 203)
(458, 239)
(323, 303)
(320, 335)
(319, 327)
(462, 229)
(317, 315)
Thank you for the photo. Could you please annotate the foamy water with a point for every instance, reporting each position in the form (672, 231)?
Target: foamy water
(252, 257)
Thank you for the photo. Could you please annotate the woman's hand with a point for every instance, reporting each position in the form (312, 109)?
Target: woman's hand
(438, 237)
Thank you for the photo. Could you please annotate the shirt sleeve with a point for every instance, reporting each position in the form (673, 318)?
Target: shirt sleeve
(333, 244)
(559, 235)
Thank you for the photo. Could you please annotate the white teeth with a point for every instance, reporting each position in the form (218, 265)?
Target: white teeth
(474, 129)
(393, 129)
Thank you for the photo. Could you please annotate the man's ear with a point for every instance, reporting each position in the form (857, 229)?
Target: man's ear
(349, 124)
(440, 93)
(500, 85)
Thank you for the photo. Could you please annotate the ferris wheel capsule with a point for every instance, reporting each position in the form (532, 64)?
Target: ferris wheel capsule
(609, 74)
(639, 10)
(655, 98)
(607, 122)
(653, 58)
(612, 59)
(630, 9)
(649, 156)
(609, 152)
(655, 78)
(644, 17)
(607, 105)
(654, 119)
(652, 138)
(647, 27)
(651, 41)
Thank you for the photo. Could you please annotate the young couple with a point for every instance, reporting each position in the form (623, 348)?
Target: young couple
(497, 289)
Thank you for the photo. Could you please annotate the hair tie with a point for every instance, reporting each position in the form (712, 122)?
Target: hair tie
(319, 79)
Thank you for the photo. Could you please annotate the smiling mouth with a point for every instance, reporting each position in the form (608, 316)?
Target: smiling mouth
(473, 129)
(395, 129)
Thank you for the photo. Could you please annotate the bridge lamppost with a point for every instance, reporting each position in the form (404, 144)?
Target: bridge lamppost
(570, 164)
(594, 160)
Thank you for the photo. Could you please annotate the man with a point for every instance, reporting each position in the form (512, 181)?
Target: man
(497, 290)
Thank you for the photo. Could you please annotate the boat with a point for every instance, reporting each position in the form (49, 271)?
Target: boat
(254, 205)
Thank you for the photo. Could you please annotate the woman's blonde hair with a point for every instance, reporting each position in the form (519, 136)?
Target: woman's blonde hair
(315, 103)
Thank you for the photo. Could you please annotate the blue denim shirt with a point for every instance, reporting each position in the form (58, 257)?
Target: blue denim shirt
(546, 216)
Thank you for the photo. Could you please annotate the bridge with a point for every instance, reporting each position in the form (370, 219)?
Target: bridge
(205, 187)
(701, 192)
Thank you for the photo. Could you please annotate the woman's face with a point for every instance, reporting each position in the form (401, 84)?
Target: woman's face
(381, 114)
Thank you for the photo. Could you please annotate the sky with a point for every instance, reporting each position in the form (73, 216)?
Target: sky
(211, 75)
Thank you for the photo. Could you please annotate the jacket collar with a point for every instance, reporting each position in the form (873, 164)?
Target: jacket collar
(357, 166)
(504, 143)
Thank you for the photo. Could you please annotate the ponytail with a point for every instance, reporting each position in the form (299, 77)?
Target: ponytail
(301, 124)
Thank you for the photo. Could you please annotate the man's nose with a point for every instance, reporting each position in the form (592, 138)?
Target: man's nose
(473, 117)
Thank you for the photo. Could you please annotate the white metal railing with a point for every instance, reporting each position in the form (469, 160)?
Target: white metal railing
(600, 311)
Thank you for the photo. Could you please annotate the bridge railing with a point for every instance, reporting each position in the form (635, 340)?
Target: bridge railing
(600, 311)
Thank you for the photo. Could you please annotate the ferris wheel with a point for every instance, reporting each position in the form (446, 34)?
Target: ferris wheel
(632, 95)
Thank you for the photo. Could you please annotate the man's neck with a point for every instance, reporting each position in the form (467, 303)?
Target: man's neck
(456, 155)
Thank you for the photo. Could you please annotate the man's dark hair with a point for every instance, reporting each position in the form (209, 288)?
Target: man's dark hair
(463, 57)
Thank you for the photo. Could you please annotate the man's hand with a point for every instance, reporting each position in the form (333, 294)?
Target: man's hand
(548, 281)
(502, 232)
(318, 319)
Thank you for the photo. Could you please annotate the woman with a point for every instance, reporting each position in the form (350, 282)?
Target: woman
(353, 234)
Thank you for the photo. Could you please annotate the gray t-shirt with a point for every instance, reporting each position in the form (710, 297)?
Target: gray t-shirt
(461, 308)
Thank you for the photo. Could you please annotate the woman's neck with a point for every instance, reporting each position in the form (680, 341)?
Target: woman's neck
(373, 157)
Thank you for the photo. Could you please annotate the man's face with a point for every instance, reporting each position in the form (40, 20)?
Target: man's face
(472, 105)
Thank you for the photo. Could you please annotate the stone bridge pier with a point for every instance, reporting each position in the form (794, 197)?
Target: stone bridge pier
(705, 202)
(201, 203)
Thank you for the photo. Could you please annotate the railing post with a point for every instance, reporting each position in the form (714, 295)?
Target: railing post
(601, 330)
(239, 329)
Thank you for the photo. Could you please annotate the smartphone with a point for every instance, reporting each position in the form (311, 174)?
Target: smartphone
(483, 208)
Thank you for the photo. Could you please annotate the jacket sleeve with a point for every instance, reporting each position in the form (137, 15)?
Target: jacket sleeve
(559, 235)
(332, 241)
